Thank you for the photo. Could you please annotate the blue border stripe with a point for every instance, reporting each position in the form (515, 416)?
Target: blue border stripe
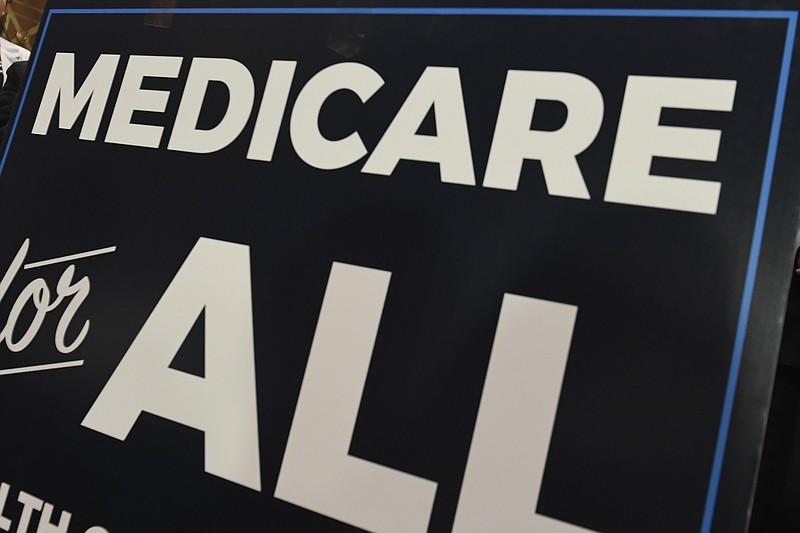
(766, 184)
(31, 68)
(750, 280)
(542, 12)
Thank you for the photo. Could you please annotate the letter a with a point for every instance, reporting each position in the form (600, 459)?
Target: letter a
(214, 277)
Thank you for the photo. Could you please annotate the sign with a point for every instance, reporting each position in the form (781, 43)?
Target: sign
(333, 268)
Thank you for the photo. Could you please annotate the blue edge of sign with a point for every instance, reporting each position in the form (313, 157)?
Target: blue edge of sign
(755, 247)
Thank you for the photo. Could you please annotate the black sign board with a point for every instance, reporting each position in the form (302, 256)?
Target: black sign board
(336, 267)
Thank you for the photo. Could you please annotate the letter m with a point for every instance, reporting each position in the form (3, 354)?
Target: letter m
(61, 89)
